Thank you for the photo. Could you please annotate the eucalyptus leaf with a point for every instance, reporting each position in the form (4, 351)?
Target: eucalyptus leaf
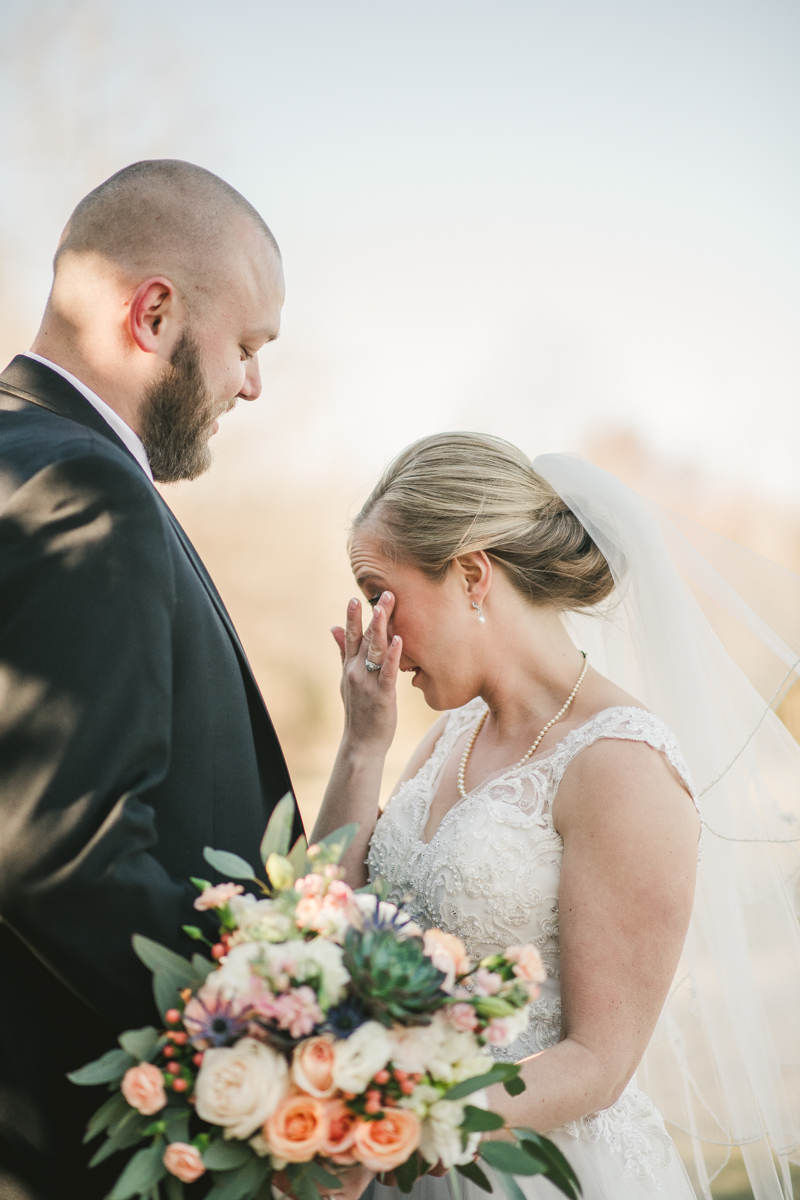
(514, 1086)
(220, 1155)
(241, 1183)
(161, 961)
(472, 1171)
(341, 838)
(278, 834)
(302, 1181)
(202, 966)
(142, 1174)
(141, 1043)
(510, 1159)
(455, 1184)
(165, 994)
(325, 1178)
(230, 866)
(510, 1186)
(407, 1173)
(177, 1125)
(113, 1110)
(499, 1073)
(127, 1132)
(298, 857)
(108, 1069)
(480, 1120)
(173, 1188)
(560, 1170)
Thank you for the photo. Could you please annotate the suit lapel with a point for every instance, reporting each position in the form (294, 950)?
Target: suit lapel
(27, 379)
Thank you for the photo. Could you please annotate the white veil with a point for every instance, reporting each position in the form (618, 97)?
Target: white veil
(707, 635)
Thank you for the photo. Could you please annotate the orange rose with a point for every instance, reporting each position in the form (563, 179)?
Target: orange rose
(341, 1132)
(298, 1128)
(143, 1088)
(312, 1067)
(183, 1161)
(384, 1144)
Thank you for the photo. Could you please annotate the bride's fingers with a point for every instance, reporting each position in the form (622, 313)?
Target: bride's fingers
(391, 665)
(377, 633)
(352, 632)
(338, 637)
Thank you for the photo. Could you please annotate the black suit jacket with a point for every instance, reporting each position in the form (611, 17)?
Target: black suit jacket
(132, 734)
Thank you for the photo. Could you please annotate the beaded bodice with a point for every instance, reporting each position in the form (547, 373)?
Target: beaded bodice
(490, 874)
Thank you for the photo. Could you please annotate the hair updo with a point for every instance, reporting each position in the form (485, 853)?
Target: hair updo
(454, 493)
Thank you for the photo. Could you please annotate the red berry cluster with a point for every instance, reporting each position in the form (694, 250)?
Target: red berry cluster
(180, 1057)
(388, 1086)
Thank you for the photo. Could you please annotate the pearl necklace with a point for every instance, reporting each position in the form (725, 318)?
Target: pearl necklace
(462, 770)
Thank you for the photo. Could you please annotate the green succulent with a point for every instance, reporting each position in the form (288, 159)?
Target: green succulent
(394, 978)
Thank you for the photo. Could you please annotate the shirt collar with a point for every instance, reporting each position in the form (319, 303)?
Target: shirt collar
(121, 429)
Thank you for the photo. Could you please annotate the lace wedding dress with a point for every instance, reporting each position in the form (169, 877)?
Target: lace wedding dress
(490, 874)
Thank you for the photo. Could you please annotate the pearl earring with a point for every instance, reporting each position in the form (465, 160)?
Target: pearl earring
(481, 617)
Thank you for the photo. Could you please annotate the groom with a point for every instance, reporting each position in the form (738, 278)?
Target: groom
(132, 731)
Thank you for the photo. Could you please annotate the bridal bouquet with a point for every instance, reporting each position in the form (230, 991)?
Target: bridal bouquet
(324, 1030)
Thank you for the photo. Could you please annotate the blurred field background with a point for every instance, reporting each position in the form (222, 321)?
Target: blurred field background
(572, 225)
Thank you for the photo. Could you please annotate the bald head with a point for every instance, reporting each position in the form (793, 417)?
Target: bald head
(164, 216)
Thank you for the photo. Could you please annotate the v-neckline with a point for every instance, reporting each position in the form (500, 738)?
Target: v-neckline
(507, 771)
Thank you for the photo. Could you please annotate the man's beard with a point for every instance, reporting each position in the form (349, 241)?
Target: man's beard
(177, 416)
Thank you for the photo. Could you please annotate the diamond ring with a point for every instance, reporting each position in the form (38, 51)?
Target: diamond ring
(371, 666)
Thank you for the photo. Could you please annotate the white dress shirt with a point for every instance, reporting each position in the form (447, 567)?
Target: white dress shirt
(123, 431)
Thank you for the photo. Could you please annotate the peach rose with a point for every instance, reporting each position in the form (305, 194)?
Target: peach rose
(183, 1161)
(312, 1067)
(143, 1088)
(384, 1144)
(448, 954)
(298, 1128)
(341, 1133)
(528, 965)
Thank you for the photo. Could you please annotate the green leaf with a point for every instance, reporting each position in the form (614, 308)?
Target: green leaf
(230, 866)
(141, 1174)
(304, 1178)
(494, 1006)
(173, 1188)
(161, 961)
(325, 1178)
(514, 1086)
(560, 1170)
(278, 834)
(165, 994)
(455, 1184)
(202, 966)
(241, 1183)
(407, 1173)
(113, 1110)
(298, 858)
(509, 1159)
(141, 1043)
(177, 1125)
(480, 1120)
(472, 1171)
(341, 837)
(125, 1133)
(510, 1186)
(108, 1069)
(220, 1155)
(499, 1073)
(201, 884)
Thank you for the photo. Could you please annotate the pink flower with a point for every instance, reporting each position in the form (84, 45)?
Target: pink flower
(217, 897)
(307, 911)
(463, 1017)
(183, 1161)
(487, 983)
(310, 885)
(448, 955)
(211, 1019)
(143, 1088)
(297, 1011)
(339, 894)
(528, 965)
(497, 1032)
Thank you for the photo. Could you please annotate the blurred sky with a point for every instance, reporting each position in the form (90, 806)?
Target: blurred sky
(536, 219)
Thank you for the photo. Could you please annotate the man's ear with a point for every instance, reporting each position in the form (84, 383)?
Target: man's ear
(152, 311)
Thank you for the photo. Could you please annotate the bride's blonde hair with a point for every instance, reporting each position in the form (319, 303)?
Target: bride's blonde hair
(459, 492)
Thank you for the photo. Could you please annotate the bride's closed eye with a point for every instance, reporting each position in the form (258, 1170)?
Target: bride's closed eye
(373, 600)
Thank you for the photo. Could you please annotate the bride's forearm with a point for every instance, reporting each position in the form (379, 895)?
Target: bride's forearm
(562, 1084)
(352, 795)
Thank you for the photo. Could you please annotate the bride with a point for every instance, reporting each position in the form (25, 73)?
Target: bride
(544, 611)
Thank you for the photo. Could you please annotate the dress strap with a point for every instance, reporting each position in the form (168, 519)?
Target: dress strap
(626, 724)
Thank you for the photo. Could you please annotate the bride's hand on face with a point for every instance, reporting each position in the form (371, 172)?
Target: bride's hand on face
(369, 696)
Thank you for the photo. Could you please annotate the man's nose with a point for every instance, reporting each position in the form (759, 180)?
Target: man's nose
(251, 388)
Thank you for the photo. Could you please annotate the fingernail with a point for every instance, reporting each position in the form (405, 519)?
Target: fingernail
(353, 604)
(395, 640)
(386, 597)
(376, 612)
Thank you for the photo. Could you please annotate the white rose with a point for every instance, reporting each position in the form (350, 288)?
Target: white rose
(441, 1135)
(327, 956)
(420, 1100)
(415, 1048)
(234, 976)
(450, 1056)
(239, 1086)
(359, 1057)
